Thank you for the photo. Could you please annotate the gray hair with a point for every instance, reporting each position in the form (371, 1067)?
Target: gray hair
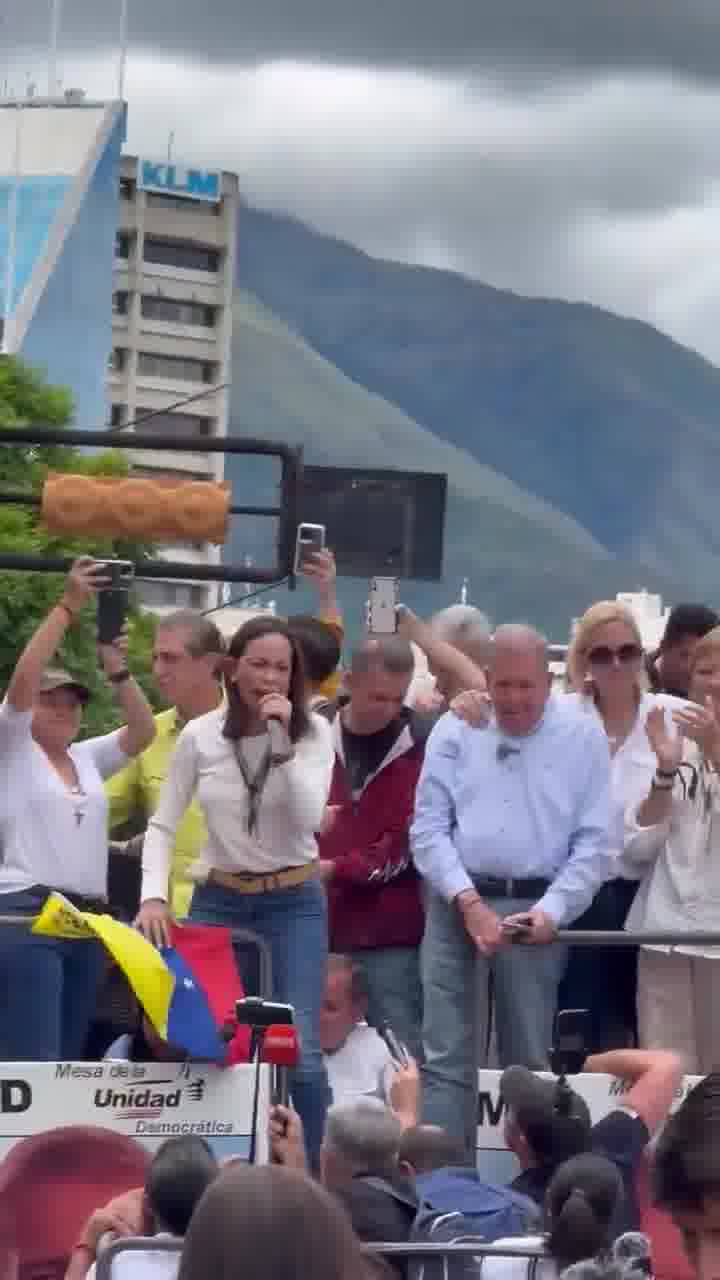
(364, 1134)
(519, 637)
(384, 653)
(202, 634)
(465, 627)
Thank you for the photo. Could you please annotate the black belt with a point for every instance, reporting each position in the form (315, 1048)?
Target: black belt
(495, 887)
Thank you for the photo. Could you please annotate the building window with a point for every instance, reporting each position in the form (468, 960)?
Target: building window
(177, 424)
(177, 253)
(181, 203)
(122, 244)
(153, 365)
(120, 304)
(177, 312)
(118, 414)
(118, 358)
(179, 595)
(127, 188)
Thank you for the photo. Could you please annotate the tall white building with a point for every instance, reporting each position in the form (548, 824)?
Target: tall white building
(172, 329)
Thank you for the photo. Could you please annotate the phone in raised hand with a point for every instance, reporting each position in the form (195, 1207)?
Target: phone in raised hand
(382, 614)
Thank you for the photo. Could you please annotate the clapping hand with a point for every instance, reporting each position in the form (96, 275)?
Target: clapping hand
(668, 747)
(701, 725)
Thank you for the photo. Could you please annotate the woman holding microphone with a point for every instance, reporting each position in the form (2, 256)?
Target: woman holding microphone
(263, 805)
(53, 829)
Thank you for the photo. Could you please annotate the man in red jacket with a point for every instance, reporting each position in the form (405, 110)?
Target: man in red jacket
(376, 913)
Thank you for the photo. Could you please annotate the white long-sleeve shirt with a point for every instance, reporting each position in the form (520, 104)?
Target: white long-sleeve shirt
(290, 812)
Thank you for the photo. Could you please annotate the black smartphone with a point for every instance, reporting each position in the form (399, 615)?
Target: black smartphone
(398, 1052)
(113, 600)
(570, 1040)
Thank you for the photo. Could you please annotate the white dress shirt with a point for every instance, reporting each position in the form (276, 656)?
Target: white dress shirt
(632, 770)
(291, 808)
(50, 835)
(536, 807)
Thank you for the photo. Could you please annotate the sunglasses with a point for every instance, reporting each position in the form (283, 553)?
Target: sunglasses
(604, 656)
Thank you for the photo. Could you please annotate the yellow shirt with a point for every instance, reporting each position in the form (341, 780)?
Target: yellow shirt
(136, 791)
(330, 687)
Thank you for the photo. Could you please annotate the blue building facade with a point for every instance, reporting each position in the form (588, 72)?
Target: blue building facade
(59, 192)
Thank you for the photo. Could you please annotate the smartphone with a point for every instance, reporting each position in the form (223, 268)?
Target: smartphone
(310, 539)
(515, 931)
(383, 607)
(398, 1052)
(571, 1040)
(114, 599)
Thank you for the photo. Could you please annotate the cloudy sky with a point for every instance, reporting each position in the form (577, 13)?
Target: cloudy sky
(562, 147)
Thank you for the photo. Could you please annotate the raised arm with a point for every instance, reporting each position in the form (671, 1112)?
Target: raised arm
(442, 655)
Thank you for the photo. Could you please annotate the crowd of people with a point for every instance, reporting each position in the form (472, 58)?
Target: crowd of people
(408, 853)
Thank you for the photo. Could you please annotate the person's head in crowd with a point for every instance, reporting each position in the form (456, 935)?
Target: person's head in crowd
(686, 624)
(467, 629)
(686, 1174)
(605, 657)
(58, 709)
(705, 669)
(188, 653)
(427, 1147)
(181, 1171)
(345, 1002)
(320, 647)
(518, 677)
(546, 1122)
(361, 1137)
(378, 681)
(580, 1204)
(273, 1224)
(264, 657)
(628, 1258)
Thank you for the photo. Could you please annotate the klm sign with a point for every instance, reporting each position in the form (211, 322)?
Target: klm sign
(172, 179)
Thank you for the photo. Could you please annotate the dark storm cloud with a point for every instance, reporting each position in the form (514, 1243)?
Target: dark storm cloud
(560, 34)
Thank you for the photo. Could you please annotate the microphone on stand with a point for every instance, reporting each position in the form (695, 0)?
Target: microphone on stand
(281, 748)
(281, 1048)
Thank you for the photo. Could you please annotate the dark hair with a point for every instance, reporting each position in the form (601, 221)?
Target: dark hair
(277, 1224)
(580, 1203)
(686, 1168)
(688, 620)
(181, 1171)
(359, 989)
(237, 718)
(203, 636)
(426, 1147)
(384, 653)
(319, 645)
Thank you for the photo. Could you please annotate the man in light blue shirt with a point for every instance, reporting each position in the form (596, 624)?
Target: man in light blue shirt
(511, 834)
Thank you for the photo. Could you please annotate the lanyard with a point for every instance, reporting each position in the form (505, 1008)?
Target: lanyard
(255, 783)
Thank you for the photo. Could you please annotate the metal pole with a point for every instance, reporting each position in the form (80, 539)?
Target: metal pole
(650, 938)
(123, 50)
(13, 213)
(55, 20)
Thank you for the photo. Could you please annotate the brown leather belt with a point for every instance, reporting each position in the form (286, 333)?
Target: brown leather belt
(239, 882)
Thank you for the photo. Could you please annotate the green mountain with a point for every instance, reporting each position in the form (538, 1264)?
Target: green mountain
(603, 418)
(524, 558)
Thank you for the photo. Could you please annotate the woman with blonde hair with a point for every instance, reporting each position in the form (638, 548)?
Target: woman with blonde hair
(606, 674)
(675, 845)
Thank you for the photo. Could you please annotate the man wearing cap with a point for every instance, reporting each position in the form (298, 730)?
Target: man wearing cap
(547, 1122)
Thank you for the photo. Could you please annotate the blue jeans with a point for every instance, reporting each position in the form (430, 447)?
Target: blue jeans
(394, 992)
(294, 924)
(456, 983)
(48, 988)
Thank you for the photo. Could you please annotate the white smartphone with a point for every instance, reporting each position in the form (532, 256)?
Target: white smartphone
(310, 539)
(383, 607)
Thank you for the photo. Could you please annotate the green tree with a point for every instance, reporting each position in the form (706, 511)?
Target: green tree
(25, 598)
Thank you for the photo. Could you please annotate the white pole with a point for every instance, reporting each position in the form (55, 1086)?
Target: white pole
(55, 20)
(12, 230)
(122, 57)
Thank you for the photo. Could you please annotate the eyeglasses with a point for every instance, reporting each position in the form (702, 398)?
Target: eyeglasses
(604, 656)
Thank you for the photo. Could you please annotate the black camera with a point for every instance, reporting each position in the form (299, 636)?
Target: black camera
(260, 1014)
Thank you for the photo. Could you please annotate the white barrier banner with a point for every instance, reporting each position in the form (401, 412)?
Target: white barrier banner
(602, 1094)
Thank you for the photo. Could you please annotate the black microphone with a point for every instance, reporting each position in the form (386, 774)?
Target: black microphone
(281, 748)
